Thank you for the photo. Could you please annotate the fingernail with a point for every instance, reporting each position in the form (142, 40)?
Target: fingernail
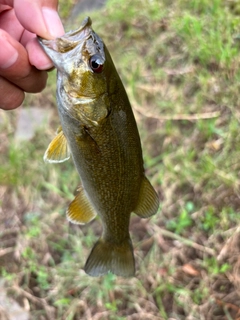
(8, 54)
(53, 22)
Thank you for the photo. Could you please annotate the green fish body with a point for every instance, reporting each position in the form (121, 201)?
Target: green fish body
(99, 130)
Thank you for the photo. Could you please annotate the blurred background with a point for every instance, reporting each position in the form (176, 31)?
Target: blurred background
(179, 61)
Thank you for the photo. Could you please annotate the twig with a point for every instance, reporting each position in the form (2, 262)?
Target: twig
(228, 305)
(192, 117)
(145, 315)
(188, 117)
(6, 251)
(173, 72)
(39, 301)
(101, 315)
(185, 241)
(36, 300)
(228, 177)
(9, 231)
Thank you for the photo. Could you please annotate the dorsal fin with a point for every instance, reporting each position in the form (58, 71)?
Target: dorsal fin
(80, 210)
(58, 150)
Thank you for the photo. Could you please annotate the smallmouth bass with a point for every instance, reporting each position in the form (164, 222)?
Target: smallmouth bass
(99, 130)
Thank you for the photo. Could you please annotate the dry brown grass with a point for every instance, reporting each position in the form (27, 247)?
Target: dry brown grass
(180, 64)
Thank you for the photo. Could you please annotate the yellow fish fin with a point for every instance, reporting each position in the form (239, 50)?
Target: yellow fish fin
(58, 150)
(80, 210)
(107, 256)
(148, 201)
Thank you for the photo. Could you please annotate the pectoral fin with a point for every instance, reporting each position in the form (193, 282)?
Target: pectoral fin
(80, 210)
(148, 201)
(58, 150)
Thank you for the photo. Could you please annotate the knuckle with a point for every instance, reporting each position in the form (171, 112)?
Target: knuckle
(11, 96)
(13, 101)
(35, 83)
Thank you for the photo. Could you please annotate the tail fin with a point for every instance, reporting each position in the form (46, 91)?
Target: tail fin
(106, 256)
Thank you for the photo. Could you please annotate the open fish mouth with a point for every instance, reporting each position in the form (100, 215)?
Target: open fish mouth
(87, 23)
(68, 51)
(70, 39)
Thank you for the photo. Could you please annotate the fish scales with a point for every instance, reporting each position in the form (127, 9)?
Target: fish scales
(121, 171)
(99, 131)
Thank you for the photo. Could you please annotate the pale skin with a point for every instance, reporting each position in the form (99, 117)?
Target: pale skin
(23, 63)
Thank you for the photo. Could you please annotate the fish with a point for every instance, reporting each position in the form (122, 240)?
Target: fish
(99, 132)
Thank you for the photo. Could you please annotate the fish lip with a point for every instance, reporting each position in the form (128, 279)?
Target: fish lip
(78, 34)
(67, 47)
(81, 44)
(87, 22)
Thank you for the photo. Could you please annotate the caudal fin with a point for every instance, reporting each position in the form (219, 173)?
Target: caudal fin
(106, 256)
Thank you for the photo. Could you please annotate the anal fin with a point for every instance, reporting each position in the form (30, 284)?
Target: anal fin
(148, 201)
(80, 210)
(58, 150)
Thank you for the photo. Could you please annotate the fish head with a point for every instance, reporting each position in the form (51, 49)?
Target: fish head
(80, 58)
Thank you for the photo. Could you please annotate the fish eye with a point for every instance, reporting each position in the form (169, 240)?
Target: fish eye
(95, 65)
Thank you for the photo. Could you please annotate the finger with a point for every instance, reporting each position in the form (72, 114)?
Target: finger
(11, 96)
(39, 17)
(15, 66)
(7, 2)
(10, 23)
(37, 57)
(4, 7)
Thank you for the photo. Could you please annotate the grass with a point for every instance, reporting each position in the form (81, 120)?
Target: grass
(179, 62)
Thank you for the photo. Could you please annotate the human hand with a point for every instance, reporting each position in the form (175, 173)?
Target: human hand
(22, 60)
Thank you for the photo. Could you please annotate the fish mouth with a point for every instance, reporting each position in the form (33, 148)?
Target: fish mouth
(69, 40)
(73, 47)
(87, 23)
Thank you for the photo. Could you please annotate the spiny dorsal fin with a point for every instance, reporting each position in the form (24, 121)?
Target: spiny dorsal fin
(148, 201)
(80, 210)
(58, 150)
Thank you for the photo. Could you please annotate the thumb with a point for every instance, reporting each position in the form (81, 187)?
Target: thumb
(39, 17)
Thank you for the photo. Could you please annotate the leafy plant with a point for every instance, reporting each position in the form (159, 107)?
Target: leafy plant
(183, 220)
